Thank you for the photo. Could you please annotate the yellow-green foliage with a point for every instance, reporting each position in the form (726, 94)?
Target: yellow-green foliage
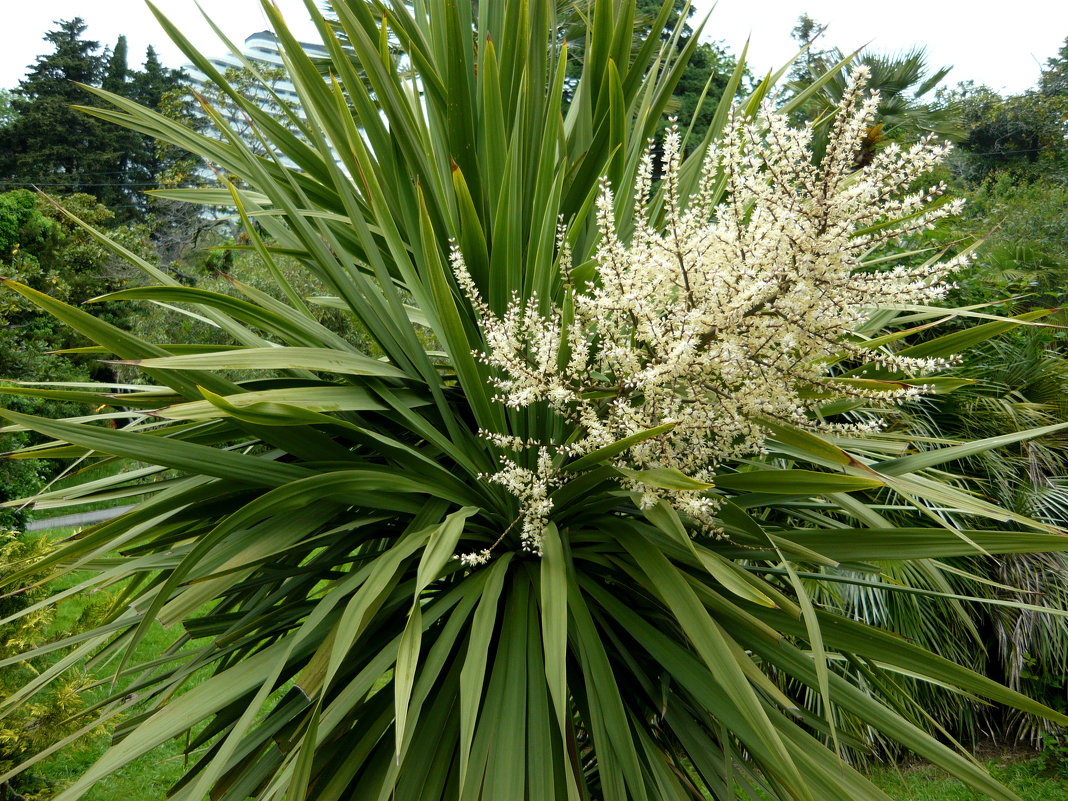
(33, 725)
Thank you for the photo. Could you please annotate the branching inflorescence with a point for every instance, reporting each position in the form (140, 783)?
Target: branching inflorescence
(723, 315)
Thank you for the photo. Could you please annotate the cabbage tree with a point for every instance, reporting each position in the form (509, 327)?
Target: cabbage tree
(411, 575)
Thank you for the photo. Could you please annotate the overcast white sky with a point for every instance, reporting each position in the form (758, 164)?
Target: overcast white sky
(996, 43)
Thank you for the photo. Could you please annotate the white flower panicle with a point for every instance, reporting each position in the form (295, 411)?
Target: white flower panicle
(725, 314)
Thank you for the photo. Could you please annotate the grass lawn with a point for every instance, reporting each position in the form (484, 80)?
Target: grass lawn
(148, 778)
(1021, 774)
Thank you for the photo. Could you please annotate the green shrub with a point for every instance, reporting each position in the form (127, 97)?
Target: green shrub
(39, 722)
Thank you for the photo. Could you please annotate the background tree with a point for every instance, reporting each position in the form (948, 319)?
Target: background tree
(905, 82)
(1023, 134)
(706, 72)
(806, 33)
(118, 195)
(41, 247)
(153, 86)
(7, 111)
(646, 11)
(261, 87)
(1054, 80)
(117, 70)
(701, 86)
(26, 236)
(36, 725)
(50, 144)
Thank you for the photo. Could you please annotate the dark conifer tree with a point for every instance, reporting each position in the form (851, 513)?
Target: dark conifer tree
(154, 86)
(117, 68)
(120, 195)
(49, 143)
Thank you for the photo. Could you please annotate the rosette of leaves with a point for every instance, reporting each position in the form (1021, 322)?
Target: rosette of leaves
(302, 529)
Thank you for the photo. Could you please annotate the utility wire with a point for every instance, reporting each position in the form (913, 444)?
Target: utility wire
(73, 184)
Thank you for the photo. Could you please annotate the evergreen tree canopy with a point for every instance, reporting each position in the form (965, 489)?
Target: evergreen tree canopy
(7, 112)
(151, 87)
(148, 86)
(1054, 80)
(50, 144)
(118, 196)
(647, 11)
(1024, 136)
(710, 66)
(117, 68)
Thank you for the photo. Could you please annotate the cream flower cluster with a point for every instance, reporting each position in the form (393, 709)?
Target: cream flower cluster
(723, 314)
